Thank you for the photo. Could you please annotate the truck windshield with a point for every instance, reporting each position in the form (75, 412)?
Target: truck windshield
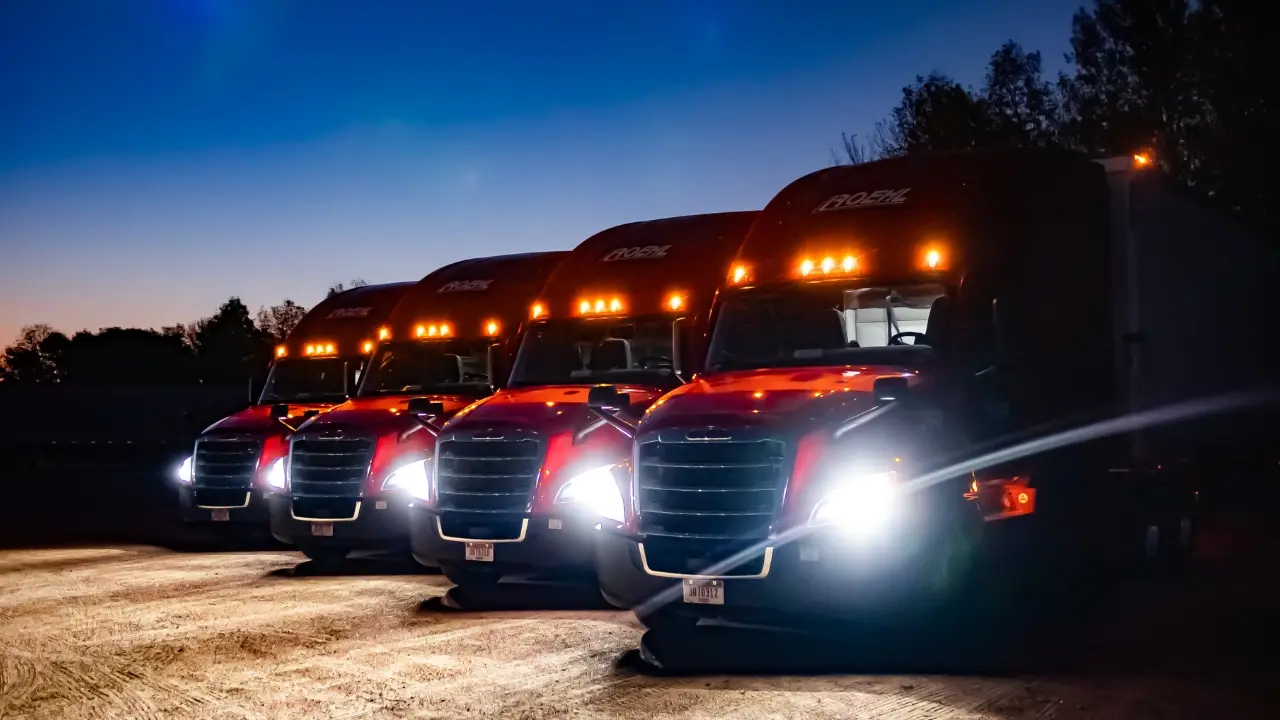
(824, 325)
(445, 367)
(311, 380)
(582, 351)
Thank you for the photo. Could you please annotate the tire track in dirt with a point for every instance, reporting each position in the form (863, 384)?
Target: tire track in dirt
(17, 679)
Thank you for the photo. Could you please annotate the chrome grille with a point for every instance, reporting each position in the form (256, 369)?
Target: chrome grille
(329, 467)
(487, 476)
(225, 463)
(709, 489)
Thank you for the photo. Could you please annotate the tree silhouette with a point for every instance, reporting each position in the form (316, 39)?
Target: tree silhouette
(280, 320)
(229, 346)
(1024, 108)
(336, 288)
(34, 356)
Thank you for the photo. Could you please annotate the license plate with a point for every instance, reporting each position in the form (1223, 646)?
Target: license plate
(322, 529)
(221, 515)
(480, 552)
(704, 592)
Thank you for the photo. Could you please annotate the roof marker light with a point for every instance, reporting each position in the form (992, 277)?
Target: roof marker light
(538, 310)
(828, 264)
(739, 274)
(850, 262)
(491, 328)
(367, 347)
(281, 351)
(384, 333)
(675, 302)
(806, 267)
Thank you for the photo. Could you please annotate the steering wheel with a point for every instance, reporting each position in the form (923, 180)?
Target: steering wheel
(655, 362)
(897, 338)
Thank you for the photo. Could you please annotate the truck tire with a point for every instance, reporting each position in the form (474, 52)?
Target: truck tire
(325, 556)
(470, 577)
(666, 619)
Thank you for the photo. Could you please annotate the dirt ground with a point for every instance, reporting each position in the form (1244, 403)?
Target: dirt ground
(141, 632)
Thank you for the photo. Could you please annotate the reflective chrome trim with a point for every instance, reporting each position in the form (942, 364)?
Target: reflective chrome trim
(524, 530)
(325, 520)
(764, 569)
(247, 496)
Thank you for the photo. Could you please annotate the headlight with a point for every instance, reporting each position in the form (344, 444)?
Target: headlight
(412, 477)
(595, 489)
(862, 505)
(183, 473)
(275, 475)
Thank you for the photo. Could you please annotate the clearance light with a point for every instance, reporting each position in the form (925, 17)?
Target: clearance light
(537, 311)
(600, 306)
(367, 347)
(675, 302)
(384, 333)
(491, 328)
(445, 330)
(1141, 160)
(828, 265)
(281, 351)
(328, 349)
(420, 331)
(933, 259)
(739, 274)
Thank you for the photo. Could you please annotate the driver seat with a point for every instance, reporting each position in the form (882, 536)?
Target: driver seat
(611, 354)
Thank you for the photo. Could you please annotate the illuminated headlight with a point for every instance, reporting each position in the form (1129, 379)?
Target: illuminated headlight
(183, 473)
(412, 477)
(862, 505)
(596, 490)
(275, 475)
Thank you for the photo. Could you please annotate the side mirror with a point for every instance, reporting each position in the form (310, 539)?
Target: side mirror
(497, 367)
(677, 347)
(425, 406)
(889, 389)
(280, 411)
(607, 398)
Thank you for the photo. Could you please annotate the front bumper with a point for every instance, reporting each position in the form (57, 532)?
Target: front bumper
(255, 510)
(812, 577)
(380, 524)
(555, 545)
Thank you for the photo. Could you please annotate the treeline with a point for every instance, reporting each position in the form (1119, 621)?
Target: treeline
(1184, 81)
(230, 346)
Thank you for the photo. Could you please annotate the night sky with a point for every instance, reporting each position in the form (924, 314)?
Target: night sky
(158, 156)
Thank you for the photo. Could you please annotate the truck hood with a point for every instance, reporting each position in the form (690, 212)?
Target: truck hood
(547, 410)
(798, 398)
(257, 419)
(376, 415)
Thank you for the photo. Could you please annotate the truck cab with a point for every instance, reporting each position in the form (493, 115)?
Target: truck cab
(225, 480)
(888, 330)
(353, 472)
(523, 479)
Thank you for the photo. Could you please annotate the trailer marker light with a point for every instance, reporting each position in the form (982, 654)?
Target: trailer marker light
(491, 328)
(281, 351)
(675, 302)
(384, 333)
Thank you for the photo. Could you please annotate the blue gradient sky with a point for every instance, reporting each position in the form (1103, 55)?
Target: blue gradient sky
(158, 156)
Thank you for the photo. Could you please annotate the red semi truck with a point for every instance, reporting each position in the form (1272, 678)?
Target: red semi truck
(353, 471)
(890, 322)
(316, 368)
(522, 480)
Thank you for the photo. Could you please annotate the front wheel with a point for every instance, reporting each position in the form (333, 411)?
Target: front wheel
(325, 555)
(666, 619)
(470, 577)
